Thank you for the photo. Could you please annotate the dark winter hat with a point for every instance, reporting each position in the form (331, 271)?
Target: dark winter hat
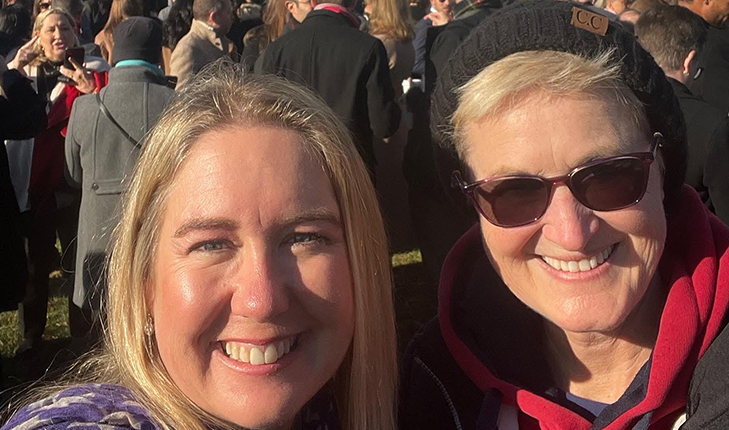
(548, 25)
(137, 38)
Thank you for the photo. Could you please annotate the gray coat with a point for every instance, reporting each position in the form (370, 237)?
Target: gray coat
(100, 160)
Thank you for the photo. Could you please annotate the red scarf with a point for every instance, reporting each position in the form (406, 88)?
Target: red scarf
(331, 7)
(47, 172)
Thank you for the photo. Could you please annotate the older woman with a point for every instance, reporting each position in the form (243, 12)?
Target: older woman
(249, 282)
(593, 293)
(37, 165)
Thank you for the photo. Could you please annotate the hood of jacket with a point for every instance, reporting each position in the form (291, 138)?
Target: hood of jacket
(495, 340)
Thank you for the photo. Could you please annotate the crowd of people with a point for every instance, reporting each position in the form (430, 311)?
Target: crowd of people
(209, 171)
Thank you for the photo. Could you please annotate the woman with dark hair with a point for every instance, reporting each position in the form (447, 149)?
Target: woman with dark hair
(593, 293)
(14, 27)
(176, 25)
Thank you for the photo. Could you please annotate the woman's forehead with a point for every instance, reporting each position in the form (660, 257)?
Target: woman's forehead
(542, 134)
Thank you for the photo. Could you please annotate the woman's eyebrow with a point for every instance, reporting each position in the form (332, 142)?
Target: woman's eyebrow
(197, 224)
(319, 214)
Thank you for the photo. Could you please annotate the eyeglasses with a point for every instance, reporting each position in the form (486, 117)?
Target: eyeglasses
(44, 6)
(607, 184)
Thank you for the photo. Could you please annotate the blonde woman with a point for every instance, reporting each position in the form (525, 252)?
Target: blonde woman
(249, 283)
(390, 21)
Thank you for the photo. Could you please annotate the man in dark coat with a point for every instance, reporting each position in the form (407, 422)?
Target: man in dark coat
(467, 14)
(101, 150)
(22, 115)
(673, 35)
(347, 68)
(712, 82)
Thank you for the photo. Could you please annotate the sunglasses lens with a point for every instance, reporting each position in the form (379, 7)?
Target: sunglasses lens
(611, 185)
(511, 202)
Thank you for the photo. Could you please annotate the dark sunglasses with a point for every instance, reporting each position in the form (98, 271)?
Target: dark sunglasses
(44, 6)
(607, 184)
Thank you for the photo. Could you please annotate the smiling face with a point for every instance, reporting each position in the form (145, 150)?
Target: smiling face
(549, 136)
(56, 35)
(252, 294)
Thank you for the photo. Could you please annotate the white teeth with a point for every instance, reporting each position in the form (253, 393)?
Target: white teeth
(583, 265)
(258, 354)
(271, 355)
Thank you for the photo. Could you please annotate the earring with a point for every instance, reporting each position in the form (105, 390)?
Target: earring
(149, 326)
(149, 336)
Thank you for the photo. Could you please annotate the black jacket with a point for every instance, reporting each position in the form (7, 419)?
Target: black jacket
(708, 150)
(456, 31)
(347, 68)
(712, 84)
(22, 115)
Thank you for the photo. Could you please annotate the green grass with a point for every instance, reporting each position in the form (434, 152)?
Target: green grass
(407, 258)
(56, 326)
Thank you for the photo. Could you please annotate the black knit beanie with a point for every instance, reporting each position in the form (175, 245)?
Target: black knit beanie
(138, 38)
(546, 25)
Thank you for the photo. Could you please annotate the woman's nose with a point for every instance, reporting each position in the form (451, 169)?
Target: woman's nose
(567, 222)
(260, 289)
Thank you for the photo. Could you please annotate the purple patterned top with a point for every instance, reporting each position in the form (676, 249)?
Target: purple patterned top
(112, 407)
(89, 406)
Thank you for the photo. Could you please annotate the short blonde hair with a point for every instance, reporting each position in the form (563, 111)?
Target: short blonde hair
(509, 81)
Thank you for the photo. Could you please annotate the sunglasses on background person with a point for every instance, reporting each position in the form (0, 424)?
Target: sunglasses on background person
(44, 6)
(602, 185)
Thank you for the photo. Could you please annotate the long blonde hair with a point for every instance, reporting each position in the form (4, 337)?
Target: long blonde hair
(391, 18)
(221, 95)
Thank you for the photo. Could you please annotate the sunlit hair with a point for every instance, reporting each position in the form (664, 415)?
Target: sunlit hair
(38, 24)
(391, 18)
(512, 80)
(123, 9)
(222, 96)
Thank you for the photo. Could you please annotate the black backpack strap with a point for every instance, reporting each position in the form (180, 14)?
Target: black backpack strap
(108, 116)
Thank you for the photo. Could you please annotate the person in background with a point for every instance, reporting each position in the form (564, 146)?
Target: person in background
(101, 152)
(120, 10)
(82, 22)
(249, 284)
(14, 28)
(440, 14)
(710, 78)
(390, 21)
(37, 165)
(351, 71)
(22, 115)
(277, 20)
(594, 291)
(174, 28)
(467, 14)
(206, 40)
(40, 6)
(674, 36)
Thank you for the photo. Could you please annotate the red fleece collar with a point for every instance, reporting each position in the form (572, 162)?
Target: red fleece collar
(695, 264)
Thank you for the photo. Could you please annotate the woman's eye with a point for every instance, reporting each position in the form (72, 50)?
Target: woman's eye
(307, 238)
(209, 246)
